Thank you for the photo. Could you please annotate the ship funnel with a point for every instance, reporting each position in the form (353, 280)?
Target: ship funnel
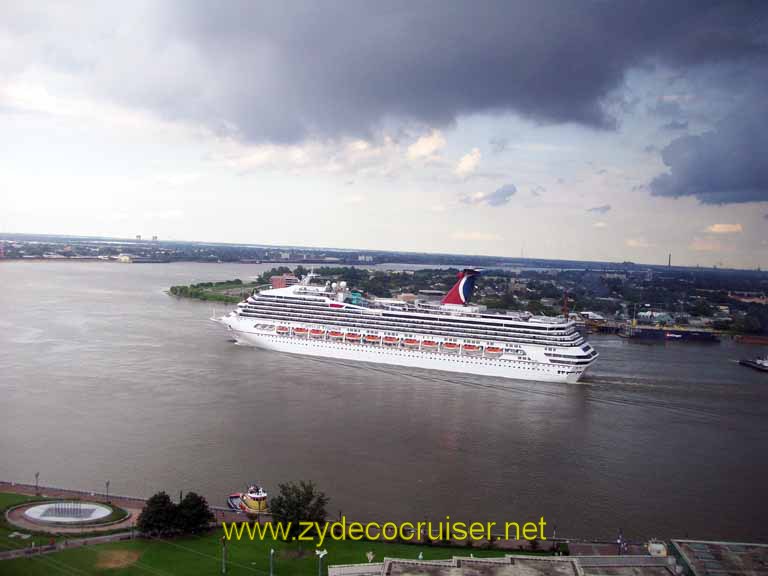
(462, 291)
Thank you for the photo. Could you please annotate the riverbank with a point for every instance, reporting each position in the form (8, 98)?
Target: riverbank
(190, 555)
(227, 291)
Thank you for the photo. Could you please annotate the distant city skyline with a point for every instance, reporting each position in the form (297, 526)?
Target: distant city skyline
(583, 131)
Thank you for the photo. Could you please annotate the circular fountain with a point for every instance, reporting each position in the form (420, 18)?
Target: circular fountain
(68, 512)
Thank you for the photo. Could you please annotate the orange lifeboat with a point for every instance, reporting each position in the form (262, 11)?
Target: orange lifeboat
(283, 329)
(431, 344)
(353, 336)
(391, 340)
(411, 342)
(317, 333)
(335, 334)
(301, 331)
(471, 349)
(450, 347)
(493, 351)
(372, 338)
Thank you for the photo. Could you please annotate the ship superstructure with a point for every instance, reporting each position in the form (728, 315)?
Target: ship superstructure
(453, 335)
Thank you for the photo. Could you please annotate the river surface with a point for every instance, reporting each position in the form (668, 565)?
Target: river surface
(103, 376)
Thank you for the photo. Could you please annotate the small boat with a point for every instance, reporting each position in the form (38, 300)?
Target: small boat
(335, 334)
(372, 338)
(430, 344)
(471, 349)
(411, 342)
(253, 501)
(391, 340)
(353, 336)
(450, 347)
(283, 329)
(301, 331)
(760, 364)
(493, 351)
(316, 333)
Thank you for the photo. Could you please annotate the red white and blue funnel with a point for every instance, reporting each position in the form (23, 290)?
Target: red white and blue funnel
(462, 291)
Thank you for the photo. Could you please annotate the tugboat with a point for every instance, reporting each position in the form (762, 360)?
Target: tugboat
(254, 501)
(758, 364)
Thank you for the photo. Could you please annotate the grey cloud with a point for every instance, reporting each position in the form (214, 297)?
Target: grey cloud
(282, 72)
(346, 67)
(665, 108)
(600, 209)
(499, 145)
(499, 197)
(676, 125)
(285, 71)
(502, 195)
(724, 165)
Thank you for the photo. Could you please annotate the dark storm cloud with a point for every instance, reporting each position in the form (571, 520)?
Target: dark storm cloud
(721, 166)
(665, 108)
(600, 209)
(285, 71)
(676, 125)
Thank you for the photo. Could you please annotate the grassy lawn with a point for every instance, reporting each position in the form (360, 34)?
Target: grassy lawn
(202, 555)
(8, 500)
(229, 292)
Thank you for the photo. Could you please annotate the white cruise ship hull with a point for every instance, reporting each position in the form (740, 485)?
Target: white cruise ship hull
(504, 366)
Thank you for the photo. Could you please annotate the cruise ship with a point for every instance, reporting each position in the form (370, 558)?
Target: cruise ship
(452, 335)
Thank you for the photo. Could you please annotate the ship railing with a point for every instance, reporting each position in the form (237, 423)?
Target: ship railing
(578, 341)
(544, 336)
(321, 307)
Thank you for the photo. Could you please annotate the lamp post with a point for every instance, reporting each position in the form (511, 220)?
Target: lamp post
(320, 555)
(107, 486)
(37, 491)
(271, 558)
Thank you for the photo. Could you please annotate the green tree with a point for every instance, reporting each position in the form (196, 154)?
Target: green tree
(158, 518)
(300, 271)
(194, 515)
(296, 503)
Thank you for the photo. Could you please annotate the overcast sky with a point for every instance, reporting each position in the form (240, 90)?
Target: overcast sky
(589, 130)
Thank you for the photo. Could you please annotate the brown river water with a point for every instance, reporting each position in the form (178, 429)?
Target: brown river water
(103, 376)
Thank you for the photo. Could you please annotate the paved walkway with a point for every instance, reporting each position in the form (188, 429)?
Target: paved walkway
(63, 545)
(129, 503)
(134, 505)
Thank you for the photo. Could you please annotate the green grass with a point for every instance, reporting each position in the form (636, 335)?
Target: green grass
(229, 291)
(202, 555)
(8, 500)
